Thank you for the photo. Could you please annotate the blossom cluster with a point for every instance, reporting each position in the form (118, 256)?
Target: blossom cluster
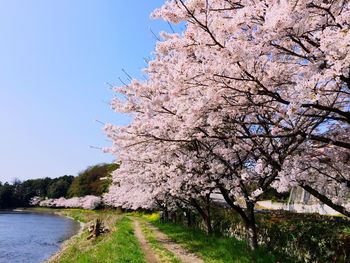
(86, 202)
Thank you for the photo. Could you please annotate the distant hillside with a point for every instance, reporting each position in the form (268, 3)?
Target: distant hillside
(95, 180)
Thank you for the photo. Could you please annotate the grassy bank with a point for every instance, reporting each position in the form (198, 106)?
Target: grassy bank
(213, 249)
(119, 245)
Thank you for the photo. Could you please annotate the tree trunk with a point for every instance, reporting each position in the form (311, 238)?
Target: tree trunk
(208, 217)
(166, 215)
(205, 215)
(208, 225)
(189, 218)
(95, 229)
(252, 235)
(247, 216)
(250, 226)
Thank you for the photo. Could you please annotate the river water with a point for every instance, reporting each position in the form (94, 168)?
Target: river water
(27, 237)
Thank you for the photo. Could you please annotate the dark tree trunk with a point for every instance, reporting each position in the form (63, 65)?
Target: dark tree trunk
(166, 215)
(95, 229)
(247, 216)
(172, 217)
(189, 218)
(205, 214)
(208, 225)
(250, 226)
(208, 218)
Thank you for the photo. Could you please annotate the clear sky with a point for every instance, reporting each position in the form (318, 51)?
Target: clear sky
(56, 58)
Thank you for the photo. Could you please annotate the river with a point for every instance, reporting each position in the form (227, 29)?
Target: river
(27, 237)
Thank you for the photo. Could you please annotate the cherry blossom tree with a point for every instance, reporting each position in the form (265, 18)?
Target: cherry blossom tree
(230, 102)
(293, 52)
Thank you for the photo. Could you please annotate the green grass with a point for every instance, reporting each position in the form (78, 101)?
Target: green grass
(77, 214)
(213, 249)
(346, 230)
(81, 215)
(118, 246)
(164, 255)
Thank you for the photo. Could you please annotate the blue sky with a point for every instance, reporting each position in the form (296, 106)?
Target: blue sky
(55, 60)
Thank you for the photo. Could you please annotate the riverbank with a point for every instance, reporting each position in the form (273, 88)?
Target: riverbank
(67, 243)
(83, 217)
(118, 245)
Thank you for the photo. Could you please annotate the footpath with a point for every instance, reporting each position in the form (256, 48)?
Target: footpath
(178, 253)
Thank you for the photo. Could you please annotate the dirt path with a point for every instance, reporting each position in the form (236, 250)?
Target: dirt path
(176, 249)
(149, 254)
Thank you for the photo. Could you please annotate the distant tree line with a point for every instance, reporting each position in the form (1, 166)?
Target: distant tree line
(95, 180)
